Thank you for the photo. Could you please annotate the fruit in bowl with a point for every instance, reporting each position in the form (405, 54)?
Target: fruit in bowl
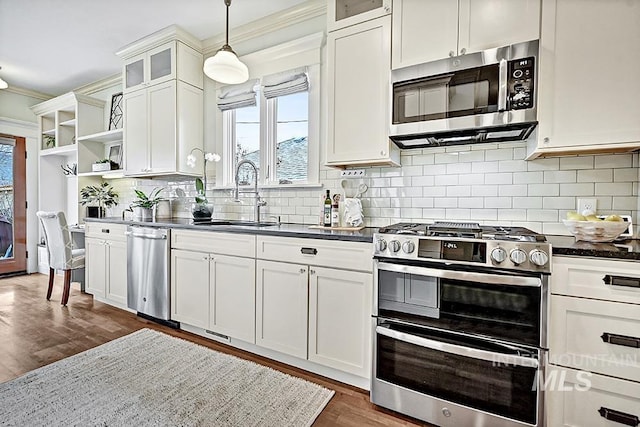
(591, 228)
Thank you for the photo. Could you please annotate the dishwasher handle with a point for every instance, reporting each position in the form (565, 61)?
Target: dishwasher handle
(146, 236)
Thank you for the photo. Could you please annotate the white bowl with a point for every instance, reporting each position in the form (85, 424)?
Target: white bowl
(596, 231)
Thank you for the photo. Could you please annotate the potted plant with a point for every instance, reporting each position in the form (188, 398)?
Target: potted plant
(103, 165)
(143, 206)
(104, 195)
(201, 209)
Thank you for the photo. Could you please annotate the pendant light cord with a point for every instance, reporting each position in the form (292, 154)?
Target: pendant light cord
(228, 3)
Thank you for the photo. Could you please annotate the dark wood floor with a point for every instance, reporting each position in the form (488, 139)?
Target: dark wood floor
(35, 332)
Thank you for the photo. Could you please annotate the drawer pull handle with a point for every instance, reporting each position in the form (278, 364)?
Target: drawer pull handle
(309, 251)
(631, 282)
(619, 417)
(105, 230)
(620, 340)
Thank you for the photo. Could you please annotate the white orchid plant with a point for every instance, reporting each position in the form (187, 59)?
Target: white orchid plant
(201, 183)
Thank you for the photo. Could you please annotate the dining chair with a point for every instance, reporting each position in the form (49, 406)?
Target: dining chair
(62, 256)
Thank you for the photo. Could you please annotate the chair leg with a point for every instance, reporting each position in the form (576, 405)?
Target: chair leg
(52, 274)
(67, 286)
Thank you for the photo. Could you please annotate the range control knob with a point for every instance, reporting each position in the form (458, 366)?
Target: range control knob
(518, 256)
(408, 247)
(517, 74)
(498, 254)
(538, 257)
(381, 245)
(394, 246)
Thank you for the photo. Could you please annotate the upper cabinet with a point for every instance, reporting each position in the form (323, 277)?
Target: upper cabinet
(343, 13)
(589, 62)
(163, 103)
(428, 30)
(359, 61)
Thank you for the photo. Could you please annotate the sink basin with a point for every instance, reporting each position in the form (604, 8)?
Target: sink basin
(241, 223)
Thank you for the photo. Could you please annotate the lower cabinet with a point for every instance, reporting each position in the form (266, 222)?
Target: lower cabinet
(214, 292)
(106, 274)
(316, 313)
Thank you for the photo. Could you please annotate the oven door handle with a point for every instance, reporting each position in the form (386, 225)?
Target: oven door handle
(497, 358)
(467, 276)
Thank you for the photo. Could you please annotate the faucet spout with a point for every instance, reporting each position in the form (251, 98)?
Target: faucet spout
(257, 201)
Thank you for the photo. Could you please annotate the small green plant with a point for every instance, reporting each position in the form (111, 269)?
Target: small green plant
(102, 161)
(103, 194)
(147, 201)
(49, 141)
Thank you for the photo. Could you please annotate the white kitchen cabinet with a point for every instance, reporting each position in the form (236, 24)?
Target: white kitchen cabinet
(162, 124)
(171, 60)
(588, 95)
(343, 13)
(428, 30)
(105, 263)
(580, 398)
(358, 88)
(340, 319)
(281, 307)
(213, 277)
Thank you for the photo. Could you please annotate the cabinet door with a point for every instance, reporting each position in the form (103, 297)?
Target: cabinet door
(190, 287)
(135, 70)
(136, 132)
(486, 24)
(95, 267)
(190, 127)
(281, 307)
(161, 63)
(162, 127)
(589, 64)
(343, 13)
(340, 319)
(116, 286)
(233, 297)
(423, 31)
(359, 66)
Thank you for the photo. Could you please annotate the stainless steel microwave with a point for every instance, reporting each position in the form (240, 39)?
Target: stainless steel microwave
(487, 96)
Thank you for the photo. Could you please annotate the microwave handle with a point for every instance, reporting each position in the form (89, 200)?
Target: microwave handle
(459, 350)
(502, 90)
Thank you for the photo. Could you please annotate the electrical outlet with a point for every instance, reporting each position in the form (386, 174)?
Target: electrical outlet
(587, 204)
(353, 173)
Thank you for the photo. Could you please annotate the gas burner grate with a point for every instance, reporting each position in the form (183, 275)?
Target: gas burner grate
(453, 225)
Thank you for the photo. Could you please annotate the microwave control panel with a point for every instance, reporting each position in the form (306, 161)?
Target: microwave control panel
(520, 83)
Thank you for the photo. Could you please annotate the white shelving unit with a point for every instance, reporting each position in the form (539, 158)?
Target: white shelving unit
(96, 147)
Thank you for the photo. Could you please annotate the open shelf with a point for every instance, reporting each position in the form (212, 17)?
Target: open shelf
(51, 132)
(71, 122)
(103, 173)
(105, 137)
(65, 150)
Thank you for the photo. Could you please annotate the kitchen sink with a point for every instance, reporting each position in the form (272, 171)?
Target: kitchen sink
(241, 223)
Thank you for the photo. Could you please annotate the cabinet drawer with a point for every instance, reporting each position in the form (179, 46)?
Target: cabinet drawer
(222, 243)
(598, 336)
(585, 277)
(103, 230)
(327, 253)
(577, 398)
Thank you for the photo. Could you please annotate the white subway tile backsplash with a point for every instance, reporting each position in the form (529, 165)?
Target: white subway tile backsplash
(629, 203)
(445, 202)
(434, 191)
(458, 168)
(458, 191)
(558, 202)
(528, 178)
(542, 215)
(559, 176)
(577, 162)
(471, 179)
(434, 214)
(527, 202)
(512, 190)
(446, 158)
(434, 169)
(498, 178)
(422, 159)
(471, 156)
(581, 189)
(484, 167)
(497, 202)
(458, 214)
(484, 190)
(512, 166)
(471, 202)
(614, 161)
(422, 202)
(504, 154)
(512, 214)
(484, 214)
(625, 175)
(543, 189)
(595, 175)
(543, 165)
(446, 180)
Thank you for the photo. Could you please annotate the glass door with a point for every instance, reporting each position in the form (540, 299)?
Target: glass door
(13, 241)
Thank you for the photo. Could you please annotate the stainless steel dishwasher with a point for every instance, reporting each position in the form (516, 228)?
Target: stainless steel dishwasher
(148, 290)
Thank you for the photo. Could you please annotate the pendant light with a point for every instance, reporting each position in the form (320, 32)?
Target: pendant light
(224, 66)
(3, 84)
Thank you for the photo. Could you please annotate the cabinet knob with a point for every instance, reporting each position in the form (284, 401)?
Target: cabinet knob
(463, 51)
(302, 270)
(451, 53)
(312, 272)
(383, 153)
(546, 139)
(205, 258)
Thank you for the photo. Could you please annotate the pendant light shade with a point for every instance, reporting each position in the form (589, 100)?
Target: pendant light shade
(224, 66)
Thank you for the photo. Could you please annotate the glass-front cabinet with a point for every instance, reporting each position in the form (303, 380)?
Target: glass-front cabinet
(343, 13)
(154, 66)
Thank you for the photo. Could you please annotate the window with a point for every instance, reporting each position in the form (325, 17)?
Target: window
(277, 131)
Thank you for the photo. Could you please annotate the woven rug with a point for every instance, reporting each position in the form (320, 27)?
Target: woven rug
(152, 379)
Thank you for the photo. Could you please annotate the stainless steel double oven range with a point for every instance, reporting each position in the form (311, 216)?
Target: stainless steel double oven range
(460, 323)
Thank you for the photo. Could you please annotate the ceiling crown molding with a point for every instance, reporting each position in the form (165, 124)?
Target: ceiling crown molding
(107, 82)
(277, 21)
(160, 37)
(28, 92)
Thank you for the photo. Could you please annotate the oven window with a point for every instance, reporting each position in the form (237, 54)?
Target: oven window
(462, 93)
(501, 389)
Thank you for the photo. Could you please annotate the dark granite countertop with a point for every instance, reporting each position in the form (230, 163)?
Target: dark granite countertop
(284, 230)
(567, 245)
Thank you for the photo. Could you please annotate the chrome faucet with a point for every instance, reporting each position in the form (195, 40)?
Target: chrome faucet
(258, 202)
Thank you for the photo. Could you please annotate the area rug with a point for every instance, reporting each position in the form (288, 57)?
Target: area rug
(149, 378)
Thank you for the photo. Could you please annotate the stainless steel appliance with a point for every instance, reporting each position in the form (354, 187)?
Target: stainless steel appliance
(460, 323)
(488, 96)
(148, 289)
